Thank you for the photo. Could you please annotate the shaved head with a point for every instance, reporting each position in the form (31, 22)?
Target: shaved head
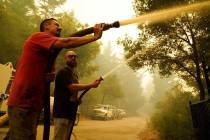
(70, 53)
(70, 57)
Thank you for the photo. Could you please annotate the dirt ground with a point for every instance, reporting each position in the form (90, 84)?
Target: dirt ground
(125, 129)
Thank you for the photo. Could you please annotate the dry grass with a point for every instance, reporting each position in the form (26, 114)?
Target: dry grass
(148, 134)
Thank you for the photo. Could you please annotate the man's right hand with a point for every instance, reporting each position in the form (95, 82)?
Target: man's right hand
(50, 77)
(96, 83)
(98, 30)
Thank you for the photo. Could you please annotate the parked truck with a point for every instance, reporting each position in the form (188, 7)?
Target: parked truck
(6, 76)
(107, 112)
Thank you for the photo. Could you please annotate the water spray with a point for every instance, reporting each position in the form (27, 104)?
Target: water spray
(152, 17)
(111, 71)
(161, 15)
(149, 18)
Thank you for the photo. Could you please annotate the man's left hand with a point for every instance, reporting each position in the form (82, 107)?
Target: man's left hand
(50, 77)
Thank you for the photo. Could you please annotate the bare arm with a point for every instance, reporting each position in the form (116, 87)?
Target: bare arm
(79, 87)
(73, 42)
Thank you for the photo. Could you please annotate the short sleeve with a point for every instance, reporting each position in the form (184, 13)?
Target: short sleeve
(43, 40)
(64, 77)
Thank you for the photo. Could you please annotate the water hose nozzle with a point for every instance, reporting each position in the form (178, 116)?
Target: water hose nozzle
(115, 24)
(90, 30)
(101, 78)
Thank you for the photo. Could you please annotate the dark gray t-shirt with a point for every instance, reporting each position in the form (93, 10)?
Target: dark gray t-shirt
(63, 106)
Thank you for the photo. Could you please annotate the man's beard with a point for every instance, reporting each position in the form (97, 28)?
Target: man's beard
(72, 64)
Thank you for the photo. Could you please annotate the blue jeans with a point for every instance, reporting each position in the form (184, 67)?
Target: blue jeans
(22, 123)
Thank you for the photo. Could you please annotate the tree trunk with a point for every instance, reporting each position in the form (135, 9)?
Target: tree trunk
(201, 88)
(198, 69)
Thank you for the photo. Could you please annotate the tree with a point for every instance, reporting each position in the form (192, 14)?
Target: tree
(48, 8)
(15, 27)
(114, 89)
(175, 46)
(172, 116)
(20, 18)
(109, 92)
(86, 54)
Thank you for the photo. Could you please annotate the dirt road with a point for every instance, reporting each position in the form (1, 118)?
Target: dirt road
(125, 129)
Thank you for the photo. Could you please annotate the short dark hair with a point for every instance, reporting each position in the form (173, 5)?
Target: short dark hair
(44, 22)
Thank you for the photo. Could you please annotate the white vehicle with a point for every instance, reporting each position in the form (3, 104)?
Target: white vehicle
(6, 73)
(120, 114)
(107, 112)
(102, 112)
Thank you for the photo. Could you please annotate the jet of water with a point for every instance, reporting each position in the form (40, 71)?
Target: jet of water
(111, 71)
(162, 15)
(118, 66)
(159, 16)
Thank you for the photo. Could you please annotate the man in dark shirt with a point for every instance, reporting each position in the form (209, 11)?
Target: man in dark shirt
(66, 97)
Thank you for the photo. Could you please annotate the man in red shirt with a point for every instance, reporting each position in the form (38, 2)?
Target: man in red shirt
(26, 98)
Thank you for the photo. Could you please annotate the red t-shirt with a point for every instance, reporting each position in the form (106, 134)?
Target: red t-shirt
(28, 87)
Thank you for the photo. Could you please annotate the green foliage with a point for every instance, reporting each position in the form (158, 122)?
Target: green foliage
(14, 29)
(20, 18)
(172, 116)
(175, 46)
(109, 92)
(47, 8)
(85, 54)
(88, 53)
(163, 85)
(114, 89)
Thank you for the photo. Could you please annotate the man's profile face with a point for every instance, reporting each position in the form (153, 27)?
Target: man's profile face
(54, 28)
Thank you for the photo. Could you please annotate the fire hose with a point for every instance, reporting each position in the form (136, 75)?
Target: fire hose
(52, 58)
(154, 17)
(80, 98)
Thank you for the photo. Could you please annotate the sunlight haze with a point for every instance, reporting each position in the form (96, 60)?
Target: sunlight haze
(109, 11)
(105, 11)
